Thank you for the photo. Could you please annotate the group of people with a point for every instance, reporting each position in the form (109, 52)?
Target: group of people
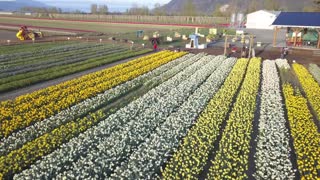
(244, 52)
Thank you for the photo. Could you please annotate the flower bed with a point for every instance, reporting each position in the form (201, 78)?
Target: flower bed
(304, 132)
(315, 71)
(190, 158)
(16, 140)
(154, 152)
(272, 158)
(231, 160)
(30, 108)
(63, 158)
(310, 87)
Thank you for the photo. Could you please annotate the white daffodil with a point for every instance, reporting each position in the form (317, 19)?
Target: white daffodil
(86, 141)
(273, 151)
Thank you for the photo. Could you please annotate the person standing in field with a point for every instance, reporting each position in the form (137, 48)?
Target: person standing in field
(155, 46)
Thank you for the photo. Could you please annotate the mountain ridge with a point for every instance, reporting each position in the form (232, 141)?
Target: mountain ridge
(18, 4)
(208, 6)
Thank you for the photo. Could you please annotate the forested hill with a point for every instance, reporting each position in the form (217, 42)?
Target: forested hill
(209, 6)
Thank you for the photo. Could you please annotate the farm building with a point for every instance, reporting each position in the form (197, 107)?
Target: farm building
(303, 28)
(261, 19)
(6, 13)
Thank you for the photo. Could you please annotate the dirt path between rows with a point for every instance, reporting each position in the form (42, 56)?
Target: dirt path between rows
(15, 93)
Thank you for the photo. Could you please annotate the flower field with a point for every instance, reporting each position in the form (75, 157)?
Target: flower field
(166, 115)
(36, 64)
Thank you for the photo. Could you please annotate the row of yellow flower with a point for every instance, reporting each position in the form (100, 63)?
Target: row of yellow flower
(231, 160)
(46, 143)
(306, 139)
(38, 109)
(44, 96)
(19, 159)
(194, 150)
(81, 83)
(310, 87)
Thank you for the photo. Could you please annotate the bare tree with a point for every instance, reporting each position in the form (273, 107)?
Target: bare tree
(94, 8)
(157, 10)
(317, 3)
(137, 10)
(253, 6)
(189, 9)
(271, 5)
(217, 11)
(103, 9)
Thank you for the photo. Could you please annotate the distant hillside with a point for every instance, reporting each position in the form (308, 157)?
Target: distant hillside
(208, 6)
(18, 4)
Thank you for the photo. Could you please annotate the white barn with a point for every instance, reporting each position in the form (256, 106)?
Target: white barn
(261, 19)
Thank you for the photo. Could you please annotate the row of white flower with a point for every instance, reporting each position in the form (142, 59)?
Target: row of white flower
(19, 138)
(146, 161)
(282, 63)
(111, 151)
(315, 71)
(272, 157)
(62, 158)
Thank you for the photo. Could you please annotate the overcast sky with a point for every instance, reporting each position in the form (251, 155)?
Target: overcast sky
(114, 5)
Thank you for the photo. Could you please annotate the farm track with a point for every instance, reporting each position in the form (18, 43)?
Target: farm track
(15, 93)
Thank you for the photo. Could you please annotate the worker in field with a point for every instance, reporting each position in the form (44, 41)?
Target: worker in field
(243, 52)
(21, 33)
(25, 34)
(155, 46)
(155, 42)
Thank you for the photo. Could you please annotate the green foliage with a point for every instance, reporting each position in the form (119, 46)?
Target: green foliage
(211, 36)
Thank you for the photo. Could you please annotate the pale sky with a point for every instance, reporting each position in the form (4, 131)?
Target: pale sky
(114, 5)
